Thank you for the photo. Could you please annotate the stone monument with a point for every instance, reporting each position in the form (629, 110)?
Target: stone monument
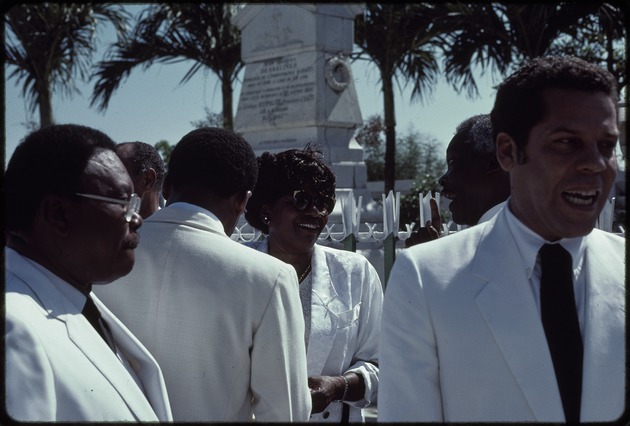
(298, 86)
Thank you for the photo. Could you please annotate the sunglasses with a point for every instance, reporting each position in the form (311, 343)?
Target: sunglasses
(302, 200)
(132, 205)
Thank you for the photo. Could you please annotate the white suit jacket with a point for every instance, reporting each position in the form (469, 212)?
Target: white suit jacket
(346, 305)
(223, 321)
(57, 366)
(462, 339)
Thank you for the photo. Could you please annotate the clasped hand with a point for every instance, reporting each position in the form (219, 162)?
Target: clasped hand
(324, 390)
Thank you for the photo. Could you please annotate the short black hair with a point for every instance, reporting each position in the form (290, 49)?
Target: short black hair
(144, 157)
(477, 132)
(215, 159)
(287, 171)
(49, 161)
(519, 103)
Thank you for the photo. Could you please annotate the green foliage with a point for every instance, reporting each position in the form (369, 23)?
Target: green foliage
(419, 157)
(212, 119)
(199, 33)
(503, 35)
(49, 46)
(402, 41)
(165, 149)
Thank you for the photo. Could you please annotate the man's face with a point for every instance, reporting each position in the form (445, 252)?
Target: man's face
(569, 166)
(466, 182)
(100, 238)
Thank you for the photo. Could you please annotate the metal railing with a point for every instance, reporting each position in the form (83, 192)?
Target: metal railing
(386, 236)
(350, 234)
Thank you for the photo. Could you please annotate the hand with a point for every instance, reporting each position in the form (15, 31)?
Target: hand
(431, 229)
(324, 390)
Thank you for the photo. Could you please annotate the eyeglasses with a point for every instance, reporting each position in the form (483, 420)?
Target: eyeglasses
(302, 200)
(132, 206)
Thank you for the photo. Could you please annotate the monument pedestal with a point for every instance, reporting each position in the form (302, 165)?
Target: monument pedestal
(298, 86)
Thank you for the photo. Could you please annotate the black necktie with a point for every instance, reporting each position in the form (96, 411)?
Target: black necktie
(92, 314)
(562, 328)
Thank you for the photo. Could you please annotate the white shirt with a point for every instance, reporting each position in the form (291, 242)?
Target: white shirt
(529, 243)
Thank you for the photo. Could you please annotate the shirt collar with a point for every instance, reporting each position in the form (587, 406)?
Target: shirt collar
(193, 208)
(491, 212)
(69, 291)
(529, 243)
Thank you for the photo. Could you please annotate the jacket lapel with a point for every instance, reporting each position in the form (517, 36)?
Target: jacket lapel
(81, 333)
(323, 317)
(509, 309)
(141, 361)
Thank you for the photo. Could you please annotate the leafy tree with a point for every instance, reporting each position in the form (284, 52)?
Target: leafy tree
(165, 149)
(400, 40)
(502, 36)
(49, 45)
(212, 119)
(418, 157)
(176, 32)
(423, 183)
(602, 38)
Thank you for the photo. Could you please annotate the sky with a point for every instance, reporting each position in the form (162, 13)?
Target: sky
(151, 105)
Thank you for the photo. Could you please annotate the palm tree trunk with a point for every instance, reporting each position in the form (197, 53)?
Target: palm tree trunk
(227, 92)
(390, 133)
(45, 107)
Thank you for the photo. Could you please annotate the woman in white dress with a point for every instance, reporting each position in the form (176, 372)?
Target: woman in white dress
(340, 291)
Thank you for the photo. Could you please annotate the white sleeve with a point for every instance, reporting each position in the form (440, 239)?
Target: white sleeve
(409, 379)
(29, 379)
(278, 356)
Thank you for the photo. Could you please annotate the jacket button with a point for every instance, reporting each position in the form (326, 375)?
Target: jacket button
(326, 414)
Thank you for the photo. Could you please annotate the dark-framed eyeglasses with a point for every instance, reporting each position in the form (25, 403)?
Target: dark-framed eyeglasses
(302, 200)
(132, 205)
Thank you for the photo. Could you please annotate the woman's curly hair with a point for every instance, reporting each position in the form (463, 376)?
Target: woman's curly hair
(284, 172)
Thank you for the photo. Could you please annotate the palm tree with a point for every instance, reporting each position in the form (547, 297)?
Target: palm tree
(399, 39)
(169, 33)
(602, 37)
(49, 44)
(505, 35)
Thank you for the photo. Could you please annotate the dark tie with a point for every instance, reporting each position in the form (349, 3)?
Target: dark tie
(560, 320)
(92, 314)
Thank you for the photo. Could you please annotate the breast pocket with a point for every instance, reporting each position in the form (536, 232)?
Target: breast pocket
(348, 318)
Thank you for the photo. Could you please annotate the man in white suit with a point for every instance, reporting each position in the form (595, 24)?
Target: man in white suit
(223, 321)
(463, 334)
(71, 221)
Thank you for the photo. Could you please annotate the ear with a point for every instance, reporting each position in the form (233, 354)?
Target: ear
(54, 212)
(493, 166)
(166, 188)
(149, 179)
(507, 151)
(241, 201)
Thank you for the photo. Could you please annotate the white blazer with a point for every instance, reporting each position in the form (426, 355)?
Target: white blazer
(346, 305)
(462, 339)
(223, 321)
(57, 366)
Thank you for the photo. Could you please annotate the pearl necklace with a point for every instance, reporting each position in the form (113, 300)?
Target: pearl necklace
(304, 274)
